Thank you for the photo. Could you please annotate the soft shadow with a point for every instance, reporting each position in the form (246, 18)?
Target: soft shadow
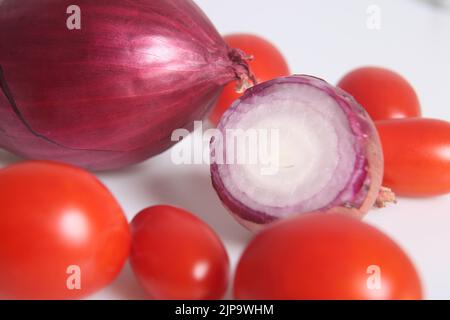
(7, 158)
(436, 4)
(126, 172)
(126, 286)
(193, 191)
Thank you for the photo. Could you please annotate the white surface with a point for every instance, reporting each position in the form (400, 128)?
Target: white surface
(326, 39)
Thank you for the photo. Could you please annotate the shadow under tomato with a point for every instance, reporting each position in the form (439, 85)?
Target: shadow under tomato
(7, 158)
(124, 287)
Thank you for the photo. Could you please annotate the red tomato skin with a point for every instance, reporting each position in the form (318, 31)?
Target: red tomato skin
(268, 63)
(323, 256)
(176, 256)
(383, 93)
(417, 156)
(54, 216)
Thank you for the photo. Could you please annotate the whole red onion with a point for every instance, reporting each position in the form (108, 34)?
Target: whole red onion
(328, 156)
(109, 93)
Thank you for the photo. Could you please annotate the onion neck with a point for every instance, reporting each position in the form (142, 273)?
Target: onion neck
(244, 75)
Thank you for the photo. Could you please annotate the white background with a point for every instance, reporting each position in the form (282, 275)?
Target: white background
(326, 39)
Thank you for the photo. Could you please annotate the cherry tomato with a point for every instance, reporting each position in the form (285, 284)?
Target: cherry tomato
(62, 233)
(382, 92)
(325, 256)
(268, 63)
(176, 256)
(417, 156)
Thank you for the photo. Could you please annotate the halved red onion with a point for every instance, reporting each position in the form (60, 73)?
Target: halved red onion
(328, 155)
(110, 93)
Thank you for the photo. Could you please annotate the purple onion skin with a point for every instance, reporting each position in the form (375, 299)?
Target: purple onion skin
(361, 192)
(110, 94)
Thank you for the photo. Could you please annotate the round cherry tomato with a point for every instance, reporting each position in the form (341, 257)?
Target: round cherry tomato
(176, 256)
(268, 63)
(324, 256)
(382, 92)
(417, 156)
(62, 233)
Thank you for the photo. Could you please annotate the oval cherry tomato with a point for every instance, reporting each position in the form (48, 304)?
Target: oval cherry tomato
(62, 233)
(417, 156)
(325, 256)
(177, 256)
(382, 92)
(268, 63)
